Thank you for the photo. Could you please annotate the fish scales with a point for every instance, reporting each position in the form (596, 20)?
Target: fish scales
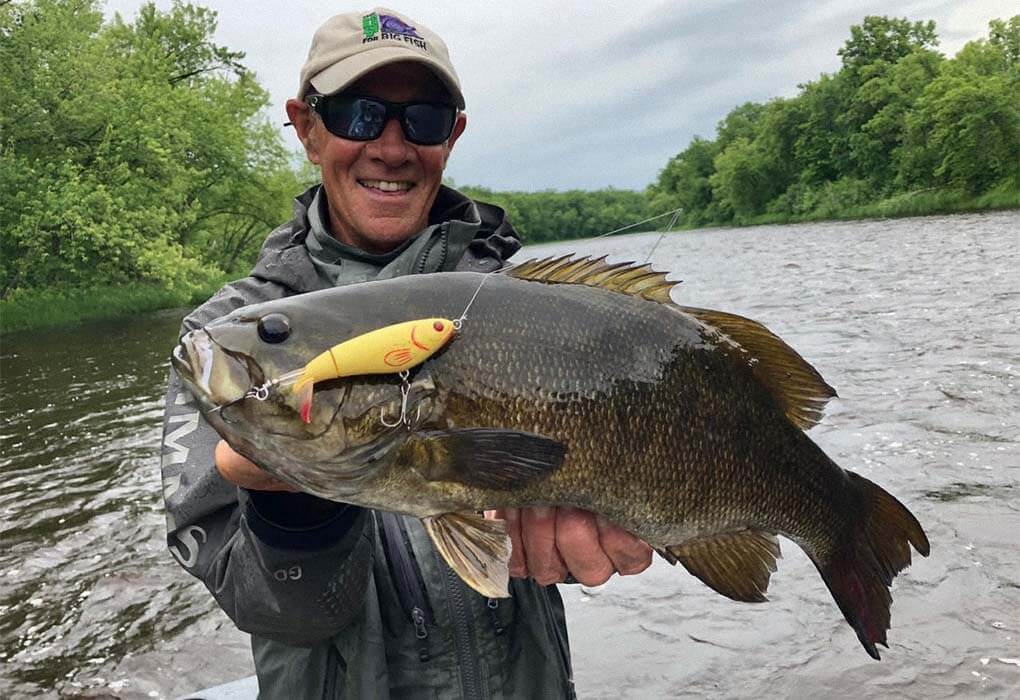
(684, 426)
(656, 368)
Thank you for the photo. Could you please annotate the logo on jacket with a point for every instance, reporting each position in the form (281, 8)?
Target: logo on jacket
(376, 26)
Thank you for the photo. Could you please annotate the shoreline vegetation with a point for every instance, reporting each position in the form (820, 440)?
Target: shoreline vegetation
(138, 170)
(54, 307)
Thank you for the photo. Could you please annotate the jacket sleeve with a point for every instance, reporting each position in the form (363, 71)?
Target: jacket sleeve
(288, 567)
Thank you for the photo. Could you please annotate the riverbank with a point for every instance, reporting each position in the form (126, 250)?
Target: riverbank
(931, 202)
(45, 308)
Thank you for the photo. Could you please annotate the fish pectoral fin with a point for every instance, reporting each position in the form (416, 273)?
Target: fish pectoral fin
(488, 457)
(476, 548)
(736, 564)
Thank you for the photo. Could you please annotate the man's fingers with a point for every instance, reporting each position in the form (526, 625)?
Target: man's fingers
(538, 533)
(245, 473)
(629, 554)
(577, 540)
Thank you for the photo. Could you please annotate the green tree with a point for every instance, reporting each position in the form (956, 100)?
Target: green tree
(885, 39)
(877, 115)
(822, 145)
(127, 150)
(684, 182)
(965, 130)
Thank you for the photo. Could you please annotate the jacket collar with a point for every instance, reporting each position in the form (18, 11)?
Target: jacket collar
(284, 258)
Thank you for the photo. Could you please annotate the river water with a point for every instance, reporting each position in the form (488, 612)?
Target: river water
(916, 322)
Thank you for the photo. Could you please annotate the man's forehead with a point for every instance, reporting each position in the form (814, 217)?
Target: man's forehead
(408, 77)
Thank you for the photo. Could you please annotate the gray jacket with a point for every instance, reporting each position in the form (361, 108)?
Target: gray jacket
(343, 602)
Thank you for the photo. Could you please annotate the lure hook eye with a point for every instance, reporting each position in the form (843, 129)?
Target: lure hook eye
(274, 328)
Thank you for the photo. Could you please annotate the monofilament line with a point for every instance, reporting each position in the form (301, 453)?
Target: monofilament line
(675, 213)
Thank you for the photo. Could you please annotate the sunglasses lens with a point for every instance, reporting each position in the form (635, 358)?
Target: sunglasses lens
(356, 119)
(363, 119)
(428, 124)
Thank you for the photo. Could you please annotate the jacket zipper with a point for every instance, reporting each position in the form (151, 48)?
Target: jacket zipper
(467, 661)
(444, 233)
(493, 606)
(407, 579)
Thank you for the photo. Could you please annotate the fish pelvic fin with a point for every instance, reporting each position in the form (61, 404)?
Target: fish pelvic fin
(800, 389)
(736, 564)
(488, 458)
(861, 569)
(476, 548)
(625, 277)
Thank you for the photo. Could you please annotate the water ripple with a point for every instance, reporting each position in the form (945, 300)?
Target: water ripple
(914, 321)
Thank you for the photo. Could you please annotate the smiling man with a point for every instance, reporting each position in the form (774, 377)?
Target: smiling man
(342, 601)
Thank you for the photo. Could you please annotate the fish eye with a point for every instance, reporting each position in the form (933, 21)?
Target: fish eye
(274, 328)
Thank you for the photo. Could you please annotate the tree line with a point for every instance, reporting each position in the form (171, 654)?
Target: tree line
(897, 119)
(138, 152)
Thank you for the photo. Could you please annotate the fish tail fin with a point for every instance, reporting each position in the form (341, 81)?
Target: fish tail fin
(861, 569)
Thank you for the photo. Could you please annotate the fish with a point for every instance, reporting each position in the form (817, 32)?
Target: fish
(571, 381)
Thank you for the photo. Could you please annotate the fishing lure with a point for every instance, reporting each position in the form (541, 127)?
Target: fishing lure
(389, 350)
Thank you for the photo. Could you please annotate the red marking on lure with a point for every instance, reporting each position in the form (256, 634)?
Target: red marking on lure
(398, 357)
(415, 340)
(306, 402)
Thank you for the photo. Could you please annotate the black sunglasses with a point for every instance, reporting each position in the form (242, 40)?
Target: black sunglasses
(364, 118)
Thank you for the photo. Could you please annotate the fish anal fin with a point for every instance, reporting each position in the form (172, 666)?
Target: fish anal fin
(801, 390)
(476, 548)
(487, 457)
(625, 278)
(736, 564)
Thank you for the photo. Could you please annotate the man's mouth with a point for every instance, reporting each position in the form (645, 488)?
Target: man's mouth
(387, 185)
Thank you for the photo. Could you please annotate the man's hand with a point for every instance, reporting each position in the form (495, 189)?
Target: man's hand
(549, 543)
(245, 473)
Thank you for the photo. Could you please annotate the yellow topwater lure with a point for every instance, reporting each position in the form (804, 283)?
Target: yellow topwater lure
(388, 350)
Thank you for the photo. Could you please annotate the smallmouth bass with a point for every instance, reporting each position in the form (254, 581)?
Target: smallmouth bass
(572, 382)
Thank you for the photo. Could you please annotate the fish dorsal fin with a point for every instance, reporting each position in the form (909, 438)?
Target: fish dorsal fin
(798, 386)
(736, 564)
(476, 548)
(625, 277)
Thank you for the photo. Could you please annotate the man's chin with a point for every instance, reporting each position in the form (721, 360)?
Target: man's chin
(382, 234)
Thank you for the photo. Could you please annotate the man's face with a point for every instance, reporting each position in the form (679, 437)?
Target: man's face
(380, 192)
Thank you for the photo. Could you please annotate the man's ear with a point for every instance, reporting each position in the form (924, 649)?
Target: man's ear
(303, 119)
(458, 129)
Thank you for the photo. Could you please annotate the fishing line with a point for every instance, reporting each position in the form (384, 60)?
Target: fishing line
(669, 227)
(459, 322)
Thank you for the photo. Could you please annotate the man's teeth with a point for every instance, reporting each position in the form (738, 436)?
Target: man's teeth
(387, 186)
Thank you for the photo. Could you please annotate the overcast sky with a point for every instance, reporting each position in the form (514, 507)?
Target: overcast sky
(593, 94)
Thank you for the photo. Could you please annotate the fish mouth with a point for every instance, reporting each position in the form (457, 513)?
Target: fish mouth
(221, 377)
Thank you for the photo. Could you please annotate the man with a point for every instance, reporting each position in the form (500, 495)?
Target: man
(341, 601)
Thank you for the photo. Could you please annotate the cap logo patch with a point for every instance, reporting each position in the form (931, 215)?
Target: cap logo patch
(376, 27)
(370, 25)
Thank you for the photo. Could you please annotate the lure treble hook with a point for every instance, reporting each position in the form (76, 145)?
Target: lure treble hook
(405, 392)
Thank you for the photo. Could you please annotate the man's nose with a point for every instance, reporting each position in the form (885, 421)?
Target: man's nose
(391, 147)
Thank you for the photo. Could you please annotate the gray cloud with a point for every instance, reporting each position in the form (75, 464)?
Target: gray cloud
(579, 94)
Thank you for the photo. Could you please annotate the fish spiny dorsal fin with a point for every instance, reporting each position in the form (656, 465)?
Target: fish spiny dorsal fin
(626, 278)
(796, 384)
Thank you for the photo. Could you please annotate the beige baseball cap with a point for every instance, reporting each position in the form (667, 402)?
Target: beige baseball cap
(350, 45)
